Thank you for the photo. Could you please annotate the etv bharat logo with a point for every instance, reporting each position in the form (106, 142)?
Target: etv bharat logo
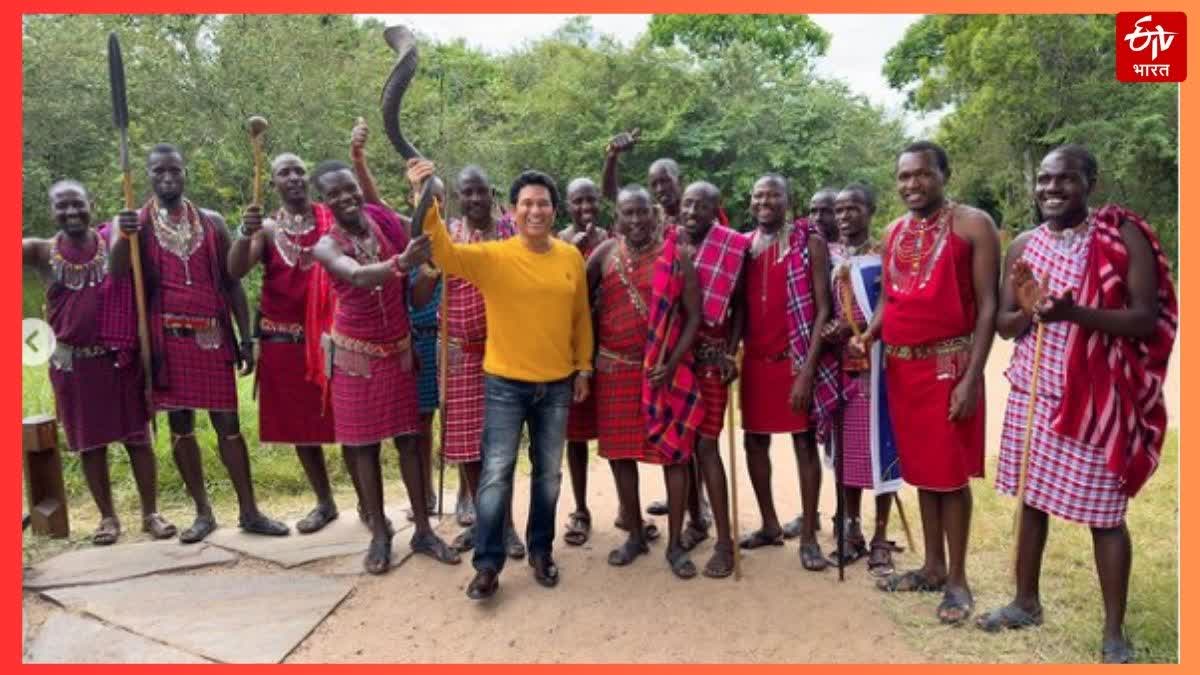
(1142, 38)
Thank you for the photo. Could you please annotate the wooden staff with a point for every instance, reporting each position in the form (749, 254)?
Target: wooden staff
(844, 274)
(257, 126)
(116, 80)
(1025, 446)
(443, 376)
(733, 490)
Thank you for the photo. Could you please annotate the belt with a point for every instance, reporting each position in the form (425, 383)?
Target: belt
(379, 350)
(711, 352)
(606, 359)
(64, 355)
(784, 355)
(289, 338)
(354, 356)
(916, 352)
(467, 346)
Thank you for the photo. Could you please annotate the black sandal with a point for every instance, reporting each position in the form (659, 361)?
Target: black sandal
(681, 565)
(432, 545)
(379, 556)
(912, 581)
(1008, 616)
(956, 606)
(465, 541)
(811, 558)
(720, 565)
(880, 564)
(316, 519)
(579, 528)
(626, 553)
(692, 535)
(200, 528)
(260, 524)
(758, 539)
(854, 550)
(1117, 651)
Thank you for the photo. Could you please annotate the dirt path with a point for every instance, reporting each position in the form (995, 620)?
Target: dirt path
(776, 613)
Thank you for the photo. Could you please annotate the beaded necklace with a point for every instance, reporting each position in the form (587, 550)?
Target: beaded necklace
(290, 228)
(77, 275)
(912, 260)
(182, 238)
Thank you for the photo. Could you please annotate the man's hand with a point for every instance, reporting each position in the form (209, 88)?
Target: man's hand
(623, 141)
(662, 374)
(419, 170)
(801, 395)
(128, 222)
(583, 387)
(1056, 307)
(1029, 294)
(252, 220)
(245, 358)
(358, 138)
(835, 332)
(963, 399)
(417, 253)
(729, 370)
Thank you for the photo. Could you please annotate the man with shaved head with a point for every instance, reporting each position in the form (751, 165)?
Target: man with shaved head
(719, 254)
(586, 234)
(787, 306)
(192, 305)
(95, 372)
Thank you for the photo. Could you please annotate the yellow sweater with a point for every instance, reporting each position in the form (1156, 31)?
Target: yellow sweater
(539, 326)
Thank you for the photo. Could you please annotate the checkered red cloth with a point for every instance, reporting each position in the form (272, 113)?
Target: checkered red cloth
(581, 421)
(714, 396)
(1066, 478)
(289, 406)
(367, 410)
(199, 379)
(856, 432)
(719, 261)
(673, 410)
(464, 407)
(622, 423)
(1116, 398)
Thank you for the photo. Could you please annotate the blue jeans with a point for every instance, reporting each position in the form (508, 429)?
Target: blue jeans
(509, 405)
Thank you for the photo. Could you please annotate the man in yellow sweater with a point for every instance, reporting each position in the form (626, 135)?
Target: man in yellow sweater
(537, 359)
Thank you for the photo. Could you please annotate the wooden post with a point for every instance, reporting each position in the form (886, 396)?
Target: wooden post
(47, 496)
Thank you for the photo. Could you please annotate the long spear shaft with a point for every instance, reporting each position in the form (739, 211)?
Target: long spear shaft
(116, 80)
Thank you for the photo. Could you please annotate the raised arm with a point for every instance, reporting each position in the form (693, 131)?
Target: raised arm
(468, 261)
(247, 250)
(358, 156)
(612, 155)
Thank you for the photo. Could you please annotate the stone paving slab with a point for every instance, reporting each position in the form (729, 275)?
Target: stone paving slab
(233, 618)
(102, 564)
(67, 638)
(344, 536)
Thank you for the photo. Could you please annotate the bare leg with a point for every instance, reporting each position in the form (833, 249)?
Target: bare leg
(625, 474)
(95, 470)
(809, 465)
(312, 458)
(758, 462)
(577, 461)
(1114, 558)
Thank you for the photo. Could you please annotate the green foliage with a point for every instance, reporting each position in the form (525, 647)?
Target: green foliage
(728, 114)
(788, 39)
(1016, 86)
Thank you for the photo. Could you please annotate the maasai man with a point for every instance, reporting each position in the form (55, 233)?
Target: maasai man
(787, 306)
(869, 459)
(720, 255)
(424, 289)
(537, 359)
(664, 181)
(621, 275)
(190, 298)
(289, 409)
(820, 213)
(366, 258)
(583, 206)
(937, 318)
(1099, 284)
(98, 382)
(467, 328)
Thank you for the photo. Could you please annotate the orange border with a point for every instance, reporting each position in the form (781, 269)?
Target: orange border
(10, 293)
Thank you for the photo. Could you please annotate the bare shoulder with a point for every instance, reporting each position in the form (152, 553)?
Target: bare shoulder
(216, 218)
(1017, 247)
(566, 233)
(974, 223)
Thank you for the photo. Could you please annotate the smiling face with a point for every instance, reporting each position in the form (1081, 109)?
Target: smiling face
(290, 178)
(475, 196)
(583, 203)
(1062, 189)
(853, 216)
(920, 182)
(769, 202)
(698, 210)
(70, 209)
(635, 217)
(341, 193)
(534, 212)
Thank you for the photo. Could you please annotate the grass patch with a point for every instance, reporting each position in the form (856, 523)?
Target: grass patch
(1070, 590)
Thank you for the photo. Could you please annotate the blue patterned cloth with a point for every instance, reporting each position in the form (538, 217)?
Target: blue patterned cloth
(425, 334)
